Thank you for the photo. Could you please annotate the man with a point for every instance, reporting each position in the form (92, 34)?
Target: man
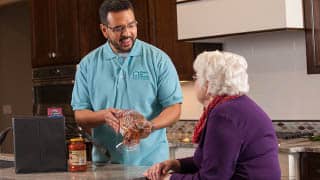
(126, 73)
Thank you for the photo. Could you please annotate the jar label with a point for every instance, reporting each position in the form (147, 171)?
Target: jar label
(77, 157)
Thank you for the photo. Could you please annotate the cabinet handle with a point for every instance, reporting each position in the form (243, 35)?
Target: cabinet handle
(49, 55)
(53, 55)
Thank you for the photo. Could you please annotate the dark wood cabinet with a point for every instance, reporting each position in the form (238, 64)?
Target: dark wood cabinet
(90, 36)
(55, 34)
(158, 26)
(310, 166)
(312, 26)
(167, 33)
(41, 46)
(63, 31)
(145, 22)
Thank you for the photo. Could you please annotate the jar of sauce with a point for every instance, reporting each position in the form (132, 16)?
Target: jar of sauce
(77, 155)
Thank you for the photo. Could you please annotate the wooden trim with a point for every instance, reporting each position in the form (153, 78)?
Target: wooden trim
(312, 33)
(152, 21)
(296, 120)
(185, 1)
(244, 33)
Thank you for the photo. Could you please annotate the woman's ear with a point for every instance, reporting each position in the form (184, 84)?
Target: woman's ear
(206, 87)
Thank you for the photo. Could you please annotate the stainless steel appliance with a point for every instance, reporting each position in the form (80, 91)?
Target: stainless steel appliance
(52, 87)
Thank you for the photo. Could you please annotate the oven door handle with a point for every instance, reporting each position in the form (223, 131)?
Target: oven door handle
(38, 83)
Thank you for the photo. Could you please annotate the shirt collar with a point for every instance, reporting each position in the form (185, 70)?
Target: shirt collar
(109, 54)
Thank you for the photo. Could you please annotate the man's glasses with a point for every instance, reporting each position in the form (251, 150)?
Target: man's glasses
(121, 28)
(194, 77)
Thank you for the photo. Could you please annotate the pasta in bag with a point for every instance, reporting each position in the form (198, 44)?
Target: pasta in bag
(133, 127)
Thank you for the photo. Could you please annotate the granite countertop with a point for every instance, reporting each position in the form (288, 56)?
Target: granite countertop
(298, 145)
(108, 171)
(6, 157)
(288, 146)
(116, 171)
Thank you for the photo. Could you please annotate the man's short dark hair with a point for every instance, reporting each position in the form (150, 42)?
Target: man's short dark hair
(113, 6)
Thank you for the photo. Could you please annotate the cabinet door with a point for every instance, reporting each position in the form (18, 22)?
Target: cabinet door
(144, 16)
(157, 24)
(180, 52)
(65, 32)
(89, 26)
(312, 26)
(215, 18)
(55, 33)
(310, 163)
(41, 31)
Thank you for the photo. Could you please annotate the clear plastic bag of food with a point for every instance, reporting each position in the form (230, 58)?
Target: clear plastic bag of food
(133, 127)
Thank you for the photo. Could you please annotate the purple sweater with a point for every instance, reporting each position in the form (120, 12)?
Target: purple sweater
(238, 142)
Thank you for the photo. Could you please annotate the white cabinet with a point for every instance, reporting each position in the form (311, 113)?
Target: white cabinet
(212, 18)
(289, 164)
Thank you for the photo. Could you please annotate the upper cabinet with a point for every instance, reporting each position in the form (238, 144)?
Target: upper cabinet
(90, 36)
(214, 18)
(157, 24)
(312, 26)
(55, 32)
(63, 31)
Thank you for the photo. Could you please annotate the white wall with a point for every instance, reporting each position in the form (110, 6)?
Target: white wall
(191, 108)
(277, 75)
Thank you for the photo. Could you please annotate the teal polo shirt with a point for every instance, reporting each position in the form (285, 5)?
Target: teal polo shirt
(146, 81)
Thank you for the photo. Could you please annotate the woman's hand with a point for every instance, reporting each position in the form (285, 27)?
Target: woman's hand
(160, 171)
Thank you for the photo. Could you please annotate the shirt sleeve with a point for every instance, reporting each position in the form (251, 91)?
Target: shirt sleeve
(221, 146)
(80, 94)
(169, 89)
(187, 165)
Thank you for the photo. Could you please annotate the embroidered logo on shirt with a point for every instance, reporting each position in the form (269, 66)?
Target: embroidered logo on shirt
(140, 75)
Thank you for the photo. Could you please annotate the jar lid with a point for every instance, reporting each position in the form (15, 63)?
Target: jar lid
(76, 139)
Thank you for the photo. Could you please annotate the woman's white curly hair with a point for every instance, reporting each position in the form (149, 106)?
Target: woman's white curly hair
(225, 73)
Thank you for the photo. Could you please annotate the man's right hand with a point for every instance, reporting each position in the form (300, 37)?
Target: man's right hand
(111, 119)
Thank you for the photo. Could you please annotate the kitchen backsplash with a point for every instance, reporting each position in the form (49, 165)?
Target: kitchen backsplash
(182, 131)
(312, 126)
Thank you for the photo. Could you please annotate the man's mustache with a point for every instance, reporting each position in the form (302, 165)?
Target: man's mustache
(125, 37)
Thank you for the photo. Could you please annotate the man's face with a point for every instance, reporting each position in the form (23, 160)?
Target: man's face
(121, 30)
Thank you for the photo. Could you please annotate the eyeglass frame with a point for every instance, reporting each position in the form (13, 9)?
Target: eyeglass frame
(194, 77)
(121, 28)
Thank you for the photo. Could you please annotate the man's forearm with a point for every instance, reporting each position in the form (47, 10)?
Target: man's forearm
(89, 119)
(167, 117)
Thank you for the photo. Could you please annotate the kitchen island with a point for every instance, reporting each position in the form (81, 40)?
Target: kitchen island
(290, 151)
(289, 156)
(106, 171)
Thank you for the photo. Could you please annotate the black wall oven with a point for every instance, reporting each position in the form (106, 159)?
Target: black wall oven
(52, 88)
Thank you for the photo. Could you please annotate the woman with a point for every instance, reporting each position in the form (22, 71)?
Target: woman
(235, 137)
